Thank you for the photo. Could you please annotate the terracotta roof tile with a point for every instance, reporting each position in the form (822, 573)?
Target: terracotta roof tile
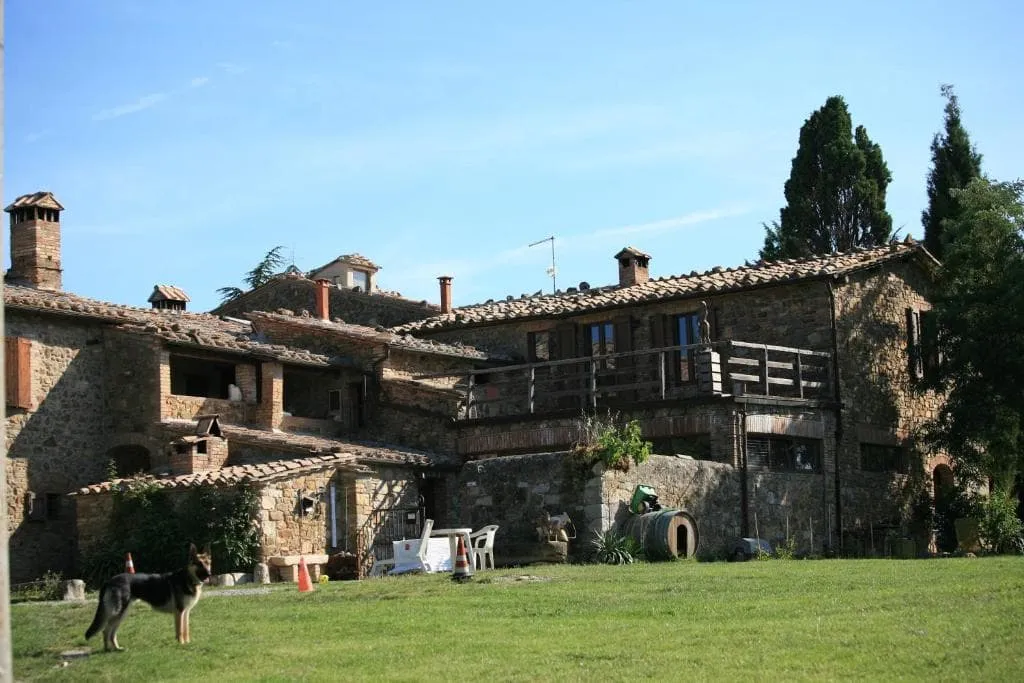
(44, 200)
(167, 293)
(357, 260)
(177, 327)
(309, 444)
(237, 474)
(716, 280)
(379, 335)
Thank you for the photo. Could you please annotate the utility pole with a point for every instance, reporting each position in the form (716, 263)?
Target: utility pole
(551, 270)
(6, 663)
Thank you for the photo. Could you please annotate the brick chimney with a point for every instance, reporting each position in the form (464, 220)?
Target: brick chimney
(323, 306)
(446, 293)
(632, 267)
(35, 241)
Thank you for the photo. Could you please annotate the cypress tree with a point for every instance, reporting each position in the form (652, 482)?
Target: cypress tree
(835, 195)
(955, 164)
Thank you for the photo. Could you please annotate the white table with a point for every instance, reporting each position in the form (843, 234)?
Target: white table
(453, 542)
(406, 554)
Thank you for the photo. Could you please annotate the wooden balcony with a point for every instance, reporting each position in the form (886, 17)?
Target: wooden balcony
(664, 374)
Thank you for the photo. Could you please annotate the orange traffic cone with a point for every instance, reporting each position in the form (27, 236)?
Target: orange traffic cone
(461, 571)
(305, 585)
(129, 567)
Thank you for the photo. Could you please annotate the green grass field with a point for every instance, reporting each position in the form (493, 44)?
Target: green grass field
(950, 619)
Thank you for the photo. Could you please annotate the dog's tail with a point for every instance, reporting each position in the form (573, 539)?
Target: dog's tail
(100, 619)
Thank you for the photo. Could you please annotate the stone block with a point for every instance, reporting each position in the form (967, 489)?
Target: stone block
(74, 589)
(261, 573)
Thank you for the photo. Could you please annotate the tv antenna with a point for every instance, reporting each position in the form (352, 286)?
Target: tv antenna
(551, 270)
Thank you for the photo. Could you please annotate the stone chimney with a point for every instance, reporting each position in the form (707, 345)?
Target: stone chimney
(446, 293)
(632, 267)
(35, 241)
(168, 298)
(323, 299)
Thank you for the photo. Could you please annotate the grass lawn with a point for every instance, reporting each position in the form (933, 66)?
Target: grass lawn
(950, 619)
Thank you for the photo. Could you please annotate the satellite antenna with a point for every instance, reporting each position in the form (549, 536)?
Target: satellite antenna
(551, 270)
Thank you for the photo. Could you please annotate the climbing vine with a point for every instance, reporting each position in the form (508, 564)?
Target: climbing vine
(156, 527)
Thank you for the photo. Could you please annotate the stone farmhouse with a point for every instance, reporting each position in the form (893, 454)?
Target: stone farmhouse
(780, 397)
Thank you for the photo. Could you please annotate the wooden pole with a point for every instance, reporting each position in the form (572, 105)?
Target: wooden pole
(6, 670)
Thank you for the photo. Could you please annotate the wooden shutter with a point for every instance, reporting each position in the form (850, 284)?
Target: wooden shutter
(565, 342)
(18, 377)
(659, 324)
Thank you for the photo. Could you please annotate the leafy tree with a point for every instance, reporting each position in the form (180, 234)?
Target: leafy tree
(955, 163)
(270, 265)
(979, 311)
(835, 195)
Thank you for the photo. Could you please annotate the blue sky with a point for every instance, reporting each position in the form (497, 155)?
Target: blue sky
(185, 139)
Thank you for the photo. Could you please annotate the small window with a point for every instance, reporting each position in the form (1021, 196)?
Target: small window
(539, 344)
(686, 331)
(334, 400)
(201, 447)
(784, 454)
(602, 342)
(53, 505)
(360, 281)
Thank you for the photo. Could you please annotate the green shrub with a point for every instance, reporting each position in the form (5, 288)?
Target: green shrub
(49, 587)
(1000, 529)
(607, 441)
(612, 547)
(156, 527)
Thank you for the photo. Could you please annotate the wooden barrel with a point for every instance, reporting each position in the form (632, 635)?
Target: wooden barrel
(665, 534)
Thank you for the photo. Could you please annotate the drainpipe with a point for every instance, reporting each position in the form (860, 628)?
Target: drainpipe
(838, 522)
(744, 502)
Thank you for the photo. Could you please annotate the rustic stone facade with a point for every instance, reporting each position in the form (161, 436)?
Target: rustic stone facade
(56, 445)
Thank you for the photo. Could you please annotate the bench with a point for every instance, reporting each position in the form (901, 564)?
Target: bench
(287, 566)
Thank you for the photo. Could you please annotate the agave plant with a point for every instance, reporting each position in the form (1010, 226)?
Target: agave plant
(612, 547)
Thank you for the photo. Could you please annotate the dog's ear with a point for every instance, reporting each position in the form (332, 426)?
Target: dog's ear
(192, 550)
(206, 550)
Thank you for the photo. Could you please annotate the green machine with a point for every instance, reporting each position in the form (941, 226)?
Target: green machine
(644, 500)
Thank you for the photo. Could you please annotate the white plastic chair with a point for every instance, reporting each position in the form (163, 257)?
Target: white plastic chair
(381, 567)
(483, 546)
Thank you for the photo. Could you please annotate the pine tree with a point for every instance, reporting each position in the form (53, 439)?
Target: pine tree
(835, 195)
(955, 163)
(260, 275)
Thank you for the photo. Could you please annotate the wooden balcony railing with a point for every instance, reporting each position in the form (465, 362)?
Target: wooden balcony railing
(668, 373)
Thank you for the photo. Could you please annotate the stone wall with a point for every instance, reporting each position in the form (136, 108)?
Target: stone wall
(876, 386)
(285, 532)
(58, 445)
(514, 491)
(133, 375)
(880, 402)
(709, 491)
(297, 293)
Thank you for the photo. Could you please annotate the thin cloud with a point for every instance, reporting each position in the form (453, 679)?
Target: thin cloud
(36, 136)
(141, 104)
(584, 241)
(231, 68)
(198, 82)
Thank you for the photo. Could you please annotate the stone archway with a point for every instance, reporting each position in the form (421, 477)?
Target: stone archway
(130, 459)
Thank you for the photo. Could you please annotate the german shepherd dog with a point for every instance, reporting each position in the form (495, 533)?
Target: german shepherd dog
(176, 592)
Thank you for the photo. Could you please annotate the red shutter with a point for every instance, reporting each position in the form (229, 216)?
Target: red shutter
(18, 377)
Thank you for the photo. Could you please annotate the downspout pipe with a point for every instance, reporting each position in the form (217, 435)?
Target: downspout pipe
(837, 395)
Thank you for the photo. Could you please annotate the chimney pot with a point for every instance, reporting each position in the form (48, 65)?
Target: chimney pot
(446, 293)
(633, 267)
(323, 308)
